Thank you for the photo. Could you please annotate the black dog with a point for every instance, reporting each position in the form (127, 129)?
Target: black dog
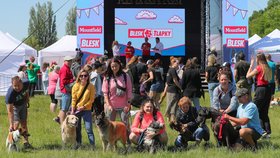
(228, 136)
(150, 144)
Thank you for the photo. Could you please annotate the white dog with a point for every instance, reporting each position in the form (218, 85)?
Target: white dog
(12, 140)
(68, 130)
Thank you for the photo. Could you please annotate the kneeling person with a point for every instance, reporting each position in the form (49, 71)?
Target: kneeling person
(189, 129)
(248, 118)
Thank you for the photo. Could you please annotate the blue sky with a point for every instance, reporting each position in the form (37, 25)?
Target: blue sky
(15, 14)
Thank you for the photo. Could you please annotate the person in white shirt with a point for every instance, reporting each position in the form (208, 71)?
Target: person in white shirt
(158, 48)
(116, 49)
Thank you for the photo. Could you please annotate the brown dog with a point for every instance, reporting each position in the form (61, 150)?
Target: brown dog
(110, 132)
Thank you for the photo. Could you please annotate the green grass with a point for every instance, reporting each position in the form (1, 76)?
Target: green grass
(46, 138)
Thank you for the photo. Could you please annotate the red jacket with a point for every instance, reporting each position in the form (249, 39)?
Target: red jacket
(65, 77)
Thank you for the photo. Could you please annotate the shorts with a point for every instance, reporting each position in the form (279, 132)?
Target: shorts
(157, 87)
(65, 102)
(20, 113)
(255, 135)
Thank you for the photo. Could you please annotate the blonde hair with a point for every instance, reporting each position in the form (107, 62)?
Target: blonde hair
(211, 60)
(267, 73)
(79, 74)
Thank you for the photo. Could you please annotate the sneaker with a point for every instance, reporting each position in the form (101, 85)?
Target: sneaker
(27, 146)
(265, 136)
(56, 119)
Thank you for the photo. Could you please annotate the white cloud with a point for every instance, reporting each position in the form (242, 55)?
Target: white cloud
(175, 19)
(119, 21)
(146, 14)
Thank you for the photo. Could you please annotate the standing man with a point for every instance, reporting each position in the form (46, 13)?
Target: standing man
(66, 78)
(129, 52)
(17, 100)
(146, 46)
(272, 66)
(248, 118)
(158, 49)
(32, 70)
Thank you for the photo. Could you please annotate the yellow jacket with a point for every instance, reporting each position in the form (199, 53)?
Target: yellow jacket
(88, 97)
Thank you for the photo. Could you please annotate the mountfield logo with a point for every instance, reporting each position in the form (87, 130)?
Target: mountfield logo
(141, 33)
(235, 30)
(90, 43)
(235, 42)
(90, 29)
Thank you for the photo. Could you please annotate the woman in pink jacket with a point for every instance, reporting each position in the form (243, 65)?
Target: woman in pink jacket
(53, 77)
(147, 114)
(117, 89)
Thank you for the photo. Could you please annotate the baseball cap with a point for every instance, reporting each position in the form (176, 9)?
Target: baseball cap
(67, 58)
(242, 91)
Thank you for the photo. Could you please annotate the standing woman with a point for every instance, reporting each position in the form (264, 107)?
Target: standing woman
(116, 49)
(117, 90)
(262, 96)
(83, 93)
(211, 75)
(191, 83)
(157, 85)
(53, 78)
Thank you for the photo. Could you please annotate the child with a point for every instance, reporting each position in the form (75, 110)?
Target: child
(186, 117)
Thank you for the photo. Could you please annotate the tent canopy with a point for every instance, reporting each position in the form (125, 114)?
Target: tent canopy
(56, 52)
(255, 38)
(9, 62)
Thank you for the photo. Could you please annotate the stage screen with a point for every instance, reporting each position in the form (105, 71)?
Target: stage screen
(136, 24)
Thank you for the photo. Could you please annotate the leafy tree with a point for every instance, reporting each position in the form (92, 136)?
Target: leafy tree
(70, 27)
(42, 26)
(265, 21)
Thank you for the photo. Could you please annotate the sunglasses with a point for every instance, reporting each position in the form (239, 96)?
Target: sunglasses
(83, 76)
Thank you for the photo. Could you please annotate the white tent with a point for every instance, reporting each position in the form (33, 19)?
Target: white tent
(56, 52)
(28, 50)
(270, 42)
(255, 38)
(9, 62)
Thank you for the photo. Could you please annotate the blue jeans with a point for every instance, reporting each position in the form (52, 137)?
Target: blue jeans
(211, 87)
(65, 102)
(196, 103)
(87, 117)
(199, 134)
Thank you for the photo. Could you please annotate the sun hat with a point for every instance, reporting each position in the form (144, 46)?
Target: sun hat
(67, 58)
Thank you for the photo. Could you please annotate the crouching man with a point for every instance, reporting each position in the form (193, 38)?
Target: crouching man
(248, 118)
(17, 100)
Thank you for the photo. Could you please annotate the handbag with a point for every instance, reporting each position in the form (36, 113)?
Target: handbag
(121, 91)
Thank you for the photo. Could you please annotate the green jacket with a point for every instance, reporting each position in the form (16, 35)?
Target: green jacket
(32, 72)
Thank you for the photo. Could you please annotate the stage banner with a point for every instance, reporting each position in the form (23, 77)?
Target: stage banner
(235, 29)
(90, 28)
(135, 24)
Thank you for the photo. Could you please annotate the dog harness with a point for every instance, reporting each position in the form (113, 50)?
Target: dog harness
(223, 121)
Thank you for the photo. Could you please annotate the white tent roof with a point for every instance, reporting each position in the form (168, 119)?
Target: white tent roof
(29, 50)
(9, 63)
(255, 38)
(56, 52)
(270, 41)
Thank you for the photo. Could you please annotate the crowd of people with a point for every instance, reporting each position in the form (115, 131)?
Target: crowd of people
(109, 86)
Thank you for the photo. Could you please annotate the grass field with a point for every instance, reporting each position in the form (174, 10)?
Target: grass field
(46, 138)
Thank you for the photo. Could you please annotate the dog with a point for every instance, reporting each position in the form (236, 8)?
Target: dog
(228, 136)
(13, 139)
(151, 144)
(68, 130)
(110, 132)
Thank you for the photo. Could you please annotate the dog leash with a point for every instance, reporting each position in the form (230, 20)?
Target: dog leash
(223, 121)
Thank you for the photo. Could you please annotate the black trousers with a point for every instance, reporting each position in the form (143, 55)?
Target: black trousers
(262, 100)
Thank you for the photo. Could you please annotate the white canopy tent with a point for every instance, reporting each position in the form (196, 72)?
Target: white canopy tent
(9, 63)
(28, 50)
(268, 44)
(255, 38)
(56, 52)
